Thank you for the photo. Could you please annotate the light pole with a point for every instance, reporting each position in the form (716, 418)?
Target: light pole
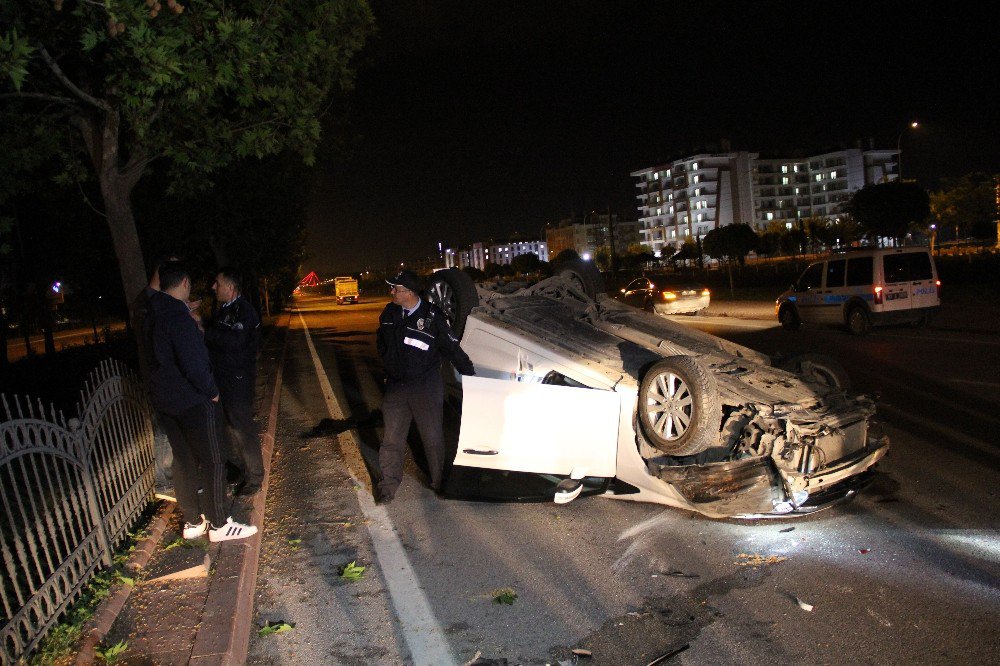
(899, 152)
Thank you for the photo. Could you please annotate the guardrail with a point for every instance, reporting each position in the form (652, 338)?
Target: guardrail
(69, 491)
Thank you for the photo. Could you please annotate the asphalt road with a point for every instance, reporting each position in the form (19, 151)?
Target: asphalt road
(906, 573)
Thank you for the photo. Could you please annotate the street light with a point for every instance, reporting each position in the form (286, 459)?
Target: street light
(899, 152)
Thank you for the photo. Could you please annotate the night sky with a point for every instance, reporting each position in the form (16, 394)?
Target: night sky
(476, 120)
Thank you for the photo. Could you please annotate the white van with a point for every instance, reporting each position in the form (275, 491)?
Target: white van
(864, 288)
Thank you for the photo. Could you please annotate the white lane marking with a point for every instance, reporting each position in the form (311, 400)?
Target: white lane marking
(937, 427)
(423, 635)
(974, 382)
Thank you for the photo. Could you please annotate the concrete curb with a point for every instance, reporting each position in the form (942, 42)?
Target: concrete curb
(100, 624)
(224, 634)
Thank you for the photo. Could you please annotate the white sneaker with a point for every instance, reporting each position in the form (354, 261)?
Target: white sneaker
(231, 530)
(197, 530)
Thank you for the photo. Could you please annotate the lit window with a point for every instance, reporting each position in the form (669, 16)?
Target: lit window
(697, 191)
(671, 210)
(819, 177)
(659, 211)
(699, 217)
(696, 179)
(784, 180)
(788, 225)
(769, 216)
(694, 167)
(670, 197)
(784, 168)
(795, 168)
(833, 174)
(673, 233)
(656, 175)
(668, 173)
(797, 190)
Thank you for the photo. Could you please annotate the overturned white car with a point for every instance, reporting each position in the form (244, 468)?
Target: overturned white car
(593, 395)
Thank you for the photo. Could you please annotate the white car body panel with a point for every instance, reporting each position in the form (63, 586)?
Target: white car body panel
(508, 425)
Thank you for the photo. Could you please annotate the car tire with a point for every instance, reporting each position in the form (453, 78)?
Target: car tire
(455, 293)
(858, 322)
(818, 368)
(678, 407)
(789, 318)
(584, 274)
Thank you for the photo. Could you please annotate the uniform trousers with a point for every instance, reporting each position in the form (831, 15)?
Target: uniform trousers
(422, 400)
(237, 395)
(199, 465)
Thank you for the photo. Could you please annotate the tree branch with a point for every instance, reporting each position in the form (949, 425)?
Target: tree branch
(42, 96)
(61, 76)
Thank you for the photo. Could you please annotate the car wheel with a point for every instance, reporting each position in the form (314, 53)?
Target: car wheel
(858, 322)
(584, 274)
(678, 407)
(817, 368)
(789, 318)
(455, 293)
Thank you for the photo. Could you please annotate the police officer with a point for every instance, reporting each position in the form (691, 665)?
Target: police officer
(233, 337)
(412, 337)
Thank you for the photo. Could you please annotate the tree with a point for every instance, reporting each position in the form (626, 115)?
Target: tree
(966, 205)
(732, 242)
(526, 263)
(115, 87)
(886, 210)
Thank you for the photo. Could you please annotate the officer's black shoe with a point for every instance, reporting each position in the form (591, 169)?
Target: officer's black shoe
(384, 497)
(247, 489)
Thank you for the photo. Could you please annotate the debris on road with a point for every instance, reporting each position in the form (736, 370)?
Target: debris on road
(803, 605)
(668, 655)
(504, 595)
(676, 573)
(757, 560)
(864, 551)
(580, 652)
(787, 529)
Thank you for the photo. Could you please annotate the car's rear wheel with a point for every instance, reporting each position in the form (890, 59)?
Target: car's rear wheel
(584, 274)
(455, 293)
(678, 407)
(858, 322)
(818, 368)
(789, 318)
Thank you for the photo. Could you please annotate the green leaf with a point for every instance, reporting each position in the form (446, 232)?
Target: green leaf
(111, 654)
(504, 595)
(351, 571)
(278, 627)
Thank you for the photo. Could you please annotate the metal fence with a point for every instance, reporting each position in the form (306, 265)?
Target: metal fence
(69, 491)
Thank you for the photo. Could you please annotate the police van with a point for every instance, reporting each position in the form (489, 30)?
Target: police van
(862, 288)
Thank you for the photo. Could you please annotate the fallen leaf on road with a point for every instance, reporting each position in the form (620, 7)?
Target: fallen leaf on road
(580, 652)
(351, 571)
(278, 627)
(787, 529)
(504, 595)
(803, 605)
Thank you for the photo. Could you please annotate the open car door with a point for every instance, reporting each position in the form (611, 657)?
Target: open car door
(538, 428)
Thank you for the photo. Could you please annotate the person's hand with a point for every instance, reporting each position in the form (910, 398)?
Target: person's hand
(193, 305)
(216, 398)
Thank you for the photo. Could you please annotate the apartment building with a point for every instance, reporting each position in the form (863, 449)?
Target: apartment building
(478, 255)
(689, 197)
(586, 234)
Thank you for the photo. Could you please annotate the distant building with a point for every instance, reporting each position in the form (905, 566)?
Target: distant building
(689, 197)
(478, 255)
(587, 234)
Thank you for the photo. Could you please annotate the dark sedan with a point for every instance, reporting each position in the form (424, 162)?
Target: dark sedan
(664, 297)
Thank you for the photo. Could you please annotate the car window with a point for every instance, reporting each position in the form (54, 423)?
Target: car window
(811, 278)
(636, 284)
(897, 268)
(835, 272)
(859, 271)
(920, 266)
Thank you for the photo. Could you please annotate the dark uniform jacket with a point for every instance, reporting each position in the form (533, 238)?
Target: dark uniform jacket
(412, 347)
(180, 374)
(232, 338)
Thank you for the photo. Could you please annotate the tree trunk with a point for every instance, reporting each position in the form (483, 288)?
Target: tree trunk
(118, 209)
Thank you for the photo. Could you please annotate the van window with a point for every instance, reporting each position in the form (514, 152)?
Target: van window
(920, 266)
(908, 266)
(859, 271)
(811, 278)
(835, 272)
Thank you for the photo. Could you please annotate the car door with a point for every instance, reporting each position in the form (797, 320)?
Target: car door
(635, 292)
(896, 292)
(539, 428)
(807, 299)
(923, 281)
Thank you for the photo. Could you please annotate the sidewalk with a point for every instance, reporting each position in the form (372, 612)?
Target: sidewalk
(193, 601)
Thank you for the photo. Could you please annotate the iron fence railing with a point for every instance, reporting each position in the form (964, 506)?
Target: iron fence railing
(69, 491)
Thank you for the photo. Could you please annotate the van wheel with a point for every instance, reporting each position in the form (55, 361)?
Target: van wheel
(584, 274)
(455, 293)
(818, 368)
(679, 408)
(789, 318)
(858, 322)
